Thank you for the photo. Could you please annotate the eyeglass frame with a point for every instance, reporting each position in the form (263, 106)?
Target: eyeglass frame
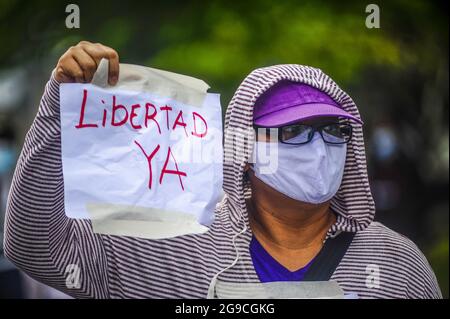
(315, 128)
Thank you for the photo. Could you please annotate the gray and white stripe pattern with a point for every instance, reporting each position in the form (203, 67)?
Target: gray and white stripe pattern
(42, 241)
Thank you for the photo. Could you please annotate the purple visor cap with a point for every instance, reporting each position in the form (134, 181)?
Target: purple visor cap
(289, 102)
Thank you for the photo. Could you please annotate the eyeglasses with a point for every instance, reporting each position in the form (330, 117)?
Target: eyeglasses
(298, 134)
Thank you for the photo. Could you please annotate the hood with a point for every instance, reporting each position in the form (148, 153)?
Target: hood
(353, 202)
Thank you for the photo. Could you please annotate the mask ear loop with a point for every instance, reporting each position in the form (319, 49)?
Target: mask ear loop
(212, 285)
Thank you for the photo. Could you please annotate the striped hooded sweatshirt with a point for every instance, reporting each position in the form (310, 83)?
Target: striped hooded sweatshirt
(44, 243)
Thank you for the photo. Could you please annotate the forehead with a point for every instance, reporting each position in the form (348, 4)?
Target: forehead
(319, 120)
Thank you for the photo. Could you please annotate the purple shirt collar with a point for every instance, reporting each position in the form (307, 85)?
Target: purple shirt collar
(268, 269)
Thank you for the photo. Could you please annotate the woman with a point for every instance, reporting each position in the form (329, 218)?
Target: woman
(309, 218)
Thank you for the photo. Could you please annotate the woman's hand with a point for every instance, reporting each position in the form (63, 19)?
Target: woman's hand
(79, 63)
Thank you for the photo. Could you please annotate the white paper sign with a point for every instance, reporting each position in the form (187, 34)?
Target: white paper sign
(150, 161)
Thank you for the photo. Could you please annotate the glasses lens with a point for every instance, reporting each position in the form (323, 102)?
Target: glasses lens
(296, 134)
(268, 135)
(337, 133)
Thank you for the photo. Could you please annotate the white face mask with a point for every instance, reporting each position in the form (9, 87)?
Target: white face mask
(310, 173)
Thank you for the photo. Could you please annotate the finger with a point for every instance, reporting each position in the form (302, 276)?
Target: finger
(113, 75)
(62, 77)
(72, 69)
(86, 62)
(99, 51)
(96, 52)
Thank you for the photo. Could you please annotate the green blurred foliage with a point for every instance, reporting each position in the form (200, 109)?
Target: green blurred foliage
(438, 257)
(221, 41)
